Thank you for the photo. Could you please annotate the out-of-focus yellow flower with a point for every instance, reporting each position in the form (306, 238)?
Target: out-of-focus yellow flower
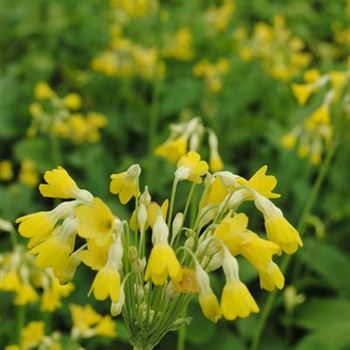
(302, 92)
(106, 327)
(172, 149)
(126, 184)
(42, 91)
(190, 167)
(311, 76)
(181, 45)
(6, 170)
(218, 18)
(25, 294)
(51, 298)
(33, 334)
(28, 173)
(36, 109)
(288, 140)
(96, 221)
(72, 101)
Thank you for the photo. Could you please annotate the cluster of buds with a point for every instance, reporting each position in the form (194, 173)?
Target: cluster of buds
(152, 287)
(212, 73)
(21, 276)
(187, 136)
(281, 53)
(61, 117)
(315, 134)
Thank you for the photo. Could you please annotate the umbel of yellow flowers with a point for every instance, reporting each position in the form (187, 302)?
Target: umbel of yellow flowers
(152, 287)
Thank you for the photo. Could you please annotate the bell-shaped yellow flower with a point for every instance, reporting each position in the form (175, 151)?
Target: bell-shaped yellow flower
(95, 256)
(25, 294)
(42, 91)
(190, 167)
(215, 193)
(302, 92)
(96, 221)
(59, 184)
(72, 101)
(106, 327)
(33, 334)
(126, 184)
(106, 284)
(163, 263)
(271, 277)
(262, 183)
(51, 297)
(236, 301)
(172, 149)
(39, 224)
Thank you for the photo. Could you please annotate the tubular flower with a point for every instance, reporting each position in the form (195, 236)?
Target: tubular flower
(95, 256)
(207, 299)
(96, 221)
(236, 300)
(61, 185)
(278, 229)
(126, 184)
(271, 277)
(172, 149)
(162, 261)
(107, 280)
(262, 183)
(302, 92)
(190, 167)
(214, 193)
(215, 161)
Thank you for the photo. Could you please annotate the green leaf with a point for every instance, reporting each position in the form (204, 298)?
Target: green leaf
(328, 261)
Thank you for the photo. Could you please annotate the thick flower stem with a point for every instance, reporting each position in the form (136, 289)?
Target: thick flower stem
(268, 306)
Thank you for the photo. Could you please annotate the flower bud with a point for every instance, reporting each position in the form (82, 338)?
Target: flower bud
(177, 223)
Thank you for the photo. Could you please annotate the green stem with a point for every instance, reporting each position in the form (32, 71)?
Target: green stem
(172, 200)
(21, 319)
(265, 313)
(181, 338)
(56, 150)
(188, 202)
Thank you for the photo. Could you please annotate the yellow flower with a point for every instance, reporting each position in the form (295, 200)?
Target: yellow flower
(188, 283)
(42, 91)
(230, 231)
(207, 299)
(32, 334)
(190, 167)
(161, 264)
(106, 327)
(278, 229)
(318, 117)
(39, 224)
(302, 92)
(173, 149)
(6, 171)
(126, 184)
(271, 277)
(51, 297)
(56, 249)
(106, 284)
(258, 251)
(83, 318)
(59, 185)
(25, 294)
(95, 256)
(215, 193)
(215, 161)
(236, 301)
(288, 140)
(28, 173)
(72, 101)
(36, 109)
(96, 221)
(10, 281)
(311, 76)
(262, 183)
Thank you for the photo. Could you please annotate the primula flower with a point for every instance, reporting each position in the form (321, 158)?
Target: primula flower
(96, 221)
(172, 149)
(126, 184)
(278, 229)
(302, 92)
(190, 167)
(262, 183)
(51, 298)
(72, 101)
(236, 300)
(106, 327)
(207, 299)
(271, 277)
(39, 224)
(95, 256)
(215, 193)
(6, 170)
(215, 161)
(162, 261)
(32, 334)
(61, 185)
(25, 294)
(107, 280)
(42, 91)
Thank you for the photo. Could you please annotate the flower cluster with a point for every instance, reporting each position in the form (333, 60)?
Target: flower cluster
(61, 117)
(153, 287)
(212, 73)
(21, 276)
(187, 136)
(281, 53)
(217, 18)
(180, 47)
(87, 323)
(315, 133)
(28, 173)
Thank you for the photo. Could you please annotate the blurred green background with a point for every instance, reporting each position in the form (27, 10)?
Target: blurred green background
(58, 41)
